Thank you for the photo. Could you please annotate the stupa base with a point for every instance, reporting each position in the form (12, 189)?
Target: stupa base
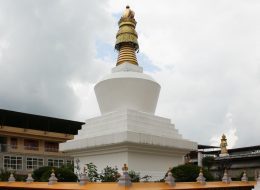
(146, 143)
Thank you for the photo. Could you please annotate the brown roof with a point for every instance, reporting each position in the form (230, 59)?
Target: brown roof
(38, 122)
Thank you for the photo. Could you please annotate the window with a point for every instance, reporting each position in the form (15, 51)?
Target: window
(14, 143)
(51, 147)
(70, 162)
(34, 163)
(13, 162)
(30, 144)
(55, 162)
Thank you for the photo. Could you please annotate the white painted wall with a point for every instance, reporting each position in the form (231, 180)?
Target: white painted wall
(127, 88)
(151, 163)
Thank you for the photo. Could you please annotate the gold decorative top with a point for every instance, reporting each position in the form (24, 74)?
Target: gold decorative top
(126, 38)
(125, 168)
(223, 145)
(128, 13)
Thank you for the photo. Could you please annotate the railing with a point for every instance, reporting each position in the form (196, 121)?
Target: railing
(8, 147)
(31, 147)
(43, 150)
(49, 149)
(13, 146)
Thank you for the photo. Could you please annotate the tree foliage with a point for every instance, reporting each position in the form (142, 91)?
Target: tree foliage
(37, 174)
(63, 174)
(92, 172)
(135, 177)
(208, 161)
(109, 174)
(4, 174)
(189, 173)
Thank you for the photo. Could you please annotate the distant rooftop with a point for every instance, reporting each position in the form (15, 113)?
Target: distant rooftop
(234, 152)
(38, 122)
(200, 146)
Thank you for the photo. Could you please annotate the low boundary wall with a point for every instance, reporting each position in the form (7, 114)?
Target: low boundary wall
(235, 185)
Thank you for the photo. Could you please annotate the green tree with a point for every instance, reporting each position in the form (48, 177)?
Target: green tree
(135, 177)
(4, 174)
(189, 173)
(63, 174)
(208, 162)
(92, 172)
(37, 174)
(109, 174)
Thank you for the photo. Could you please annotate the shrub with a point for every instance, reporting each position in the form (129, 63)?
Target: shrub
(208, 161)
(92, 172)
(69, 166)
(189, 173)
(4, 174)
(63, 174)
(37, 174)
(109, 174)
(135, 177)
(47, 174)
(20, 177)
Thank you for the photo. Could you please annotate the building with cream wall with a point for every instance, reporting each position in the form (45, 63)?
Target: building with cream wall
(29, 141)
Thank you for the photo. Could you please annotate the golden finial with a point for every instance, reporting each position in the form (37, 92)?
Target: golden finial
(126, 38)
(223, 145)
(125, 168)
(52, 171)
(128, 13)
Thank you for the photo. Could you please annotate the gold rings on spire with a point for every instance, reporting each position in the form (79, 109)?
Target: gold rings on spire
(126, 38)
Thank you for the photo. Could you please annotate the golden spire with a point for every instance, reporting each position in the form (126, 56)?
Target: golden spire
(125, 168)
(223, 144)
(126, 38)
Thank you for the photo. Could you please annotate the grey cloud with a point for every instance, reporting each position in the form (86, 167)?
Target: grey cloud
(45, 46)
(208, 55)
(207, 52)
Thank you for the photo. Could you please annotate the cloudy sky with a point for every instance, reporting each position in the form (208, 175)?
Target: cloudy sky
(205, 54)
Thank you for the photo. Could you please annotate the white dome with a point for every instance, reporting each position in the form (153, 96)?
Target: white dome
(127, 88)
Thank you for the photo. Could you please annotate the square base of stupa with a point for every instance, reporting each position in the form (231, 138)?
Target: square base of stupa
(148, 144)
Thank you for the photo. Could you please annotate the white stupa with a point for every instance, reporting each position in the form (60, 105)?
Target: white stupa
(127, 130)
